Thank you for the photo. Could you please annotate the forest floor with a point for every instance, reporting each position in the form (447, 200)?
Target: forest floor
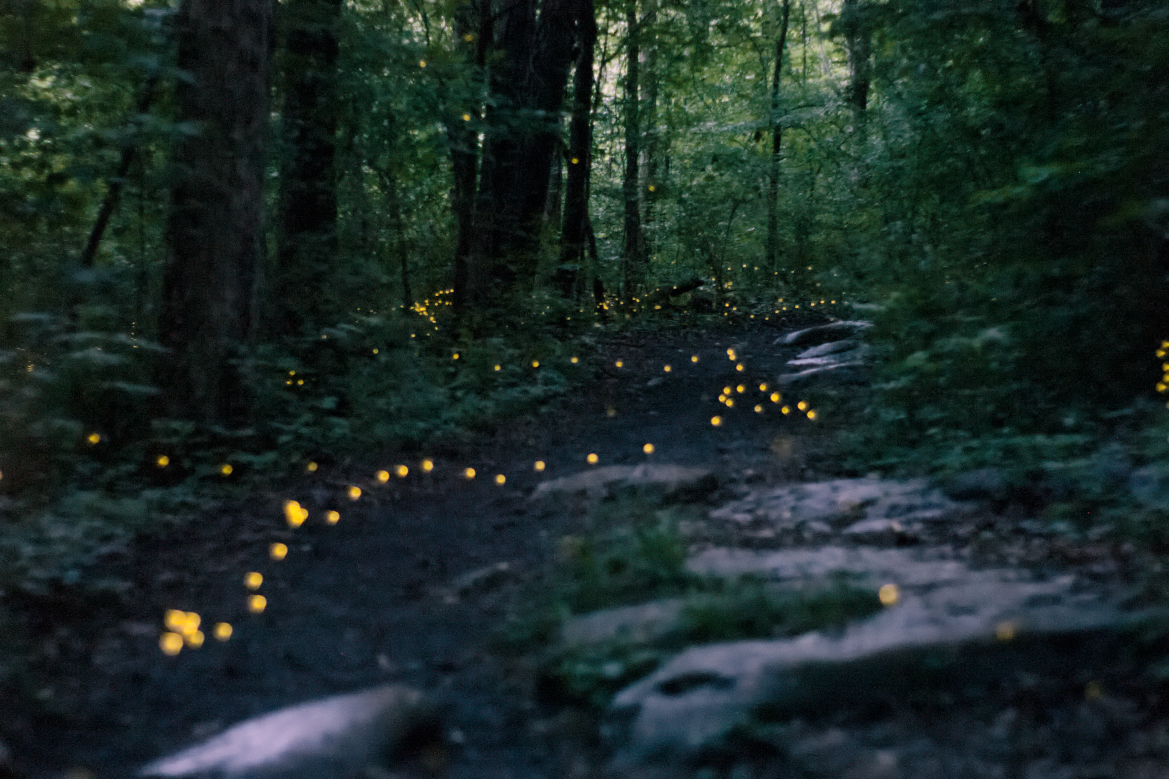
(375, 599)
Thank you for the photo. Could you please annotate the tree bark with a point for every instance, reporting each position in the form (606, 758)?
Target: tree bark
(214, 234)
(858, 44)
(527, 82)
(771, 260)
(576, 188)
(634, 255)
(307, 235)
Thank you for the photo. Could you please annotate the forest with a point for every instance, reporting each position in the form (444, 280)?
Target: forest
(239, 238)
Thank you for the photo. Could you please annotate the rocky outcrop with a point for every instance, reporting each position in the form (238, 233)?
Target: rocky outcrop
(664, 481)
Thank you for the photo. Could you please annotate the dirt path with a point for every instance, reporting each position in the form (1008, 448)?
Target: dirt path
(367, 601)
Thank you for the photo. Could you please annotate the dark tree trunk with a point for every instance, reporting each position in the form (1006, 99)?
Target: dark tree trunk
(858, 44)
(771, 260)
(634, 257)
(214, 235)
(472, 30)
(576, 189)
(522, 123)
(307, 237)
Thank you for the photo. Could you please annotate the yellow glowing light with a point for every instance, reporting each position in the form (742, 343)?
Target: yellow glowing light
(354, 493)
(253, 580)
(667, 368)
(311, 467)
(648, 448)
(174, 620)
(722, 398)
(620, 363)
(222, 631)
(592, 458)
(383, 476)
(539, 466)
(889, 594)
(812, 413)
(727, 390)
(294, 513)
(170, 643)
(535, 363)
(400, 471)
(730, 402)
(375, 351)
(716, 421)
(575, 161)
(574, 360)
(786, 409)
(422, 63)
(763, 387)
(469, 473)
(469, 37)
(802, 405)
(93, 438)
(225, 469)
(652, 188)
(278, 551)
(455, 356)
(1005, 631)
(428, 465)
(740, 389)
(466, 117)
(194, 639)
(162, 461)
(694, 358)
(775, 397)
(332, 517)
(740, 367)
(257, 603)
(758, 409)
(498, 367)
(500, 479)
(610, 412)
(731, 354)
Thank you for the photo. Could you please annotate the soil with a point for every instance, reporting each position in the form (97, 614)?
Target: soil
(374, 598)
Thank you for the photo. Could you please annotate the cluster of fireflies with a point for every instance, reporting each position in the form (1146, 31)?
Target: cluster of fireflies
(1163, 354)
(181, 629)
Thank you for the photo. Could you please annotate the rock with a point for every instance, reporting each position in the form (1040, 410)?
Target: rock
(962, 635)
(481, 579)
(832, 347)
(841, 501)
(982, 484)
(834, 331)
(665, 481)
(342, 737)
(845, 372)
(644, 623)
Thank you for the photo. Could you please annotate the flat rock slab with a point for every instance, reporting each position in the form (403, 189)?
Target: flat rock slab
(843, 503)
(665, 481)
(341, 737)
(833, 331)
(955, 636)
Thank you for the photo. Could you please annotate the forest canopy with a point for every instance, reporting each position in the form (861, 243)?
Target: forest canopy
(272, 241)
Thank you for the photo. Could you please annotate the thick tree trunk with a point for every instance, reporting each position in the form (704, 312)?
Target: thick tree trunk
(634, 257)
(214, 234)
(858, 44)
(472, 30)
(771, 260)
(576, 189)
(307, 237)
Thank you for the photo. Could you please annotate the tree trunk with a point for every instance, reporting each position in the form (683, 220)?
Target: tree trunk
(634, 256)
(771, 260)
(472, 30)
(307, 237)
(214, 234)
(576, 189)
(858, 44)
(522, 123)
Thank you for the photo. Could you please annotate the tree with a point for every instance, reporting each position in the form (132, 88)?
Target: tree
(634, 254)
(214, 233)
(771, 249)
(306, 243)
(531, 58)
(574, 229)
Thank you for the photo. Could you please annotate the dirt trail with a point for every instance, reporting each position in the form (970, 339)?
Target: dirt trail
(365, 601)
